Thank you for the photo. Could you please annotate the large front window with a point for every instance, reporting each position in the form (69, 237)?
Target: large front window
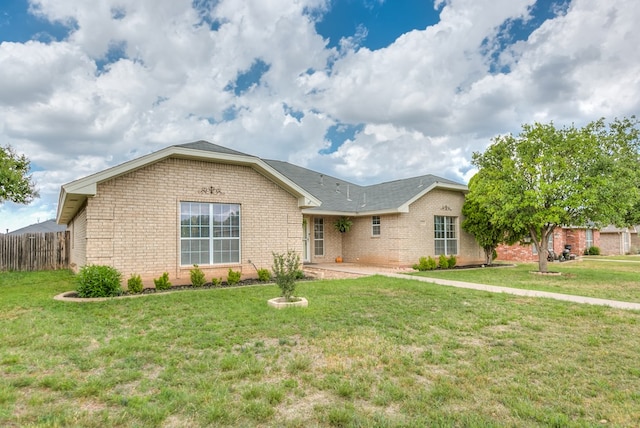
(209, 233)
(446, 241)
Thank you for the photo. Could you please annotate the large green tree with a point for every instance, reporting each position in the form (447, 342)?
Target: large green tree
(479, 222)
(547, 177)
(16, 184)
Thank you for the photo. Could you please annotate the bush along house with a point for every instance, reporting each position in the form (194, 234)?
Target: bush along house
(200, 203)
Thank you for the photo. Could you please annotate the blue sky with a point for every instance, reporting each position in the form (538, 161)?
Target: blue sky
(366, 90)
(18, 25)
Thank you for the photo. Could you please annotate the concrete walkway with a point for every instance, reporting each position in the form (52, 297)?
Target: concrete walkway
(358, 270)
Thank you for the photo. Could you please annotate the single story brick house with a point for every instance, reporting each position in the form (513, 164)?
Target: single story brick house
(580, 238)
(611, 241)
(619, 240)
(201, 203)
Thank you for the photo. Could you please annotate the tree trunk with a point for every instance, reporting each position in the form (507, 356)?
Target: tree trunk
(542, 242)
(542, 259)
(488, 255)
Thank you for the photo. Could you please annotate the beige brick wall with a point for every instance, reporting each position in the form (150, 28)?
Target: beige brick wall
(419, 228)
(78, 232)
(612, 244)
(360, 246)
(133, 221)
(405, 237)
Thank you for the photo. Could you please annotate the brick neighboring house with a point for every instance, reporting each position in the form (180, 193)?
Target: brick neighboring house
(200, 203)
(615, 240)
(579, 238)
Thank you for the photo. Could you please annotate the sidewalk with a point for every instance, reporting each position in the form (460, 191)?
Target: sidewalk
(353, 270)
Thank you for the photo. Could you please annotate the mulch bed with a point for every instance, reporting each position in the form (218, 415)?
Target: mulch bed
(151, 290)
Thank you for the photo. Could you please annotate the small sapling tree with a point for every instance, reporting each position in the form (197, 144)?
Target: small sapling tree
(285, 271)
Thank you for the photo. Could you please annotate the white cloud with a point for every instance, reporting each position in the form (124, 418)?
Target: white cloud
(32, 72)
(425, 102)
(415, 81)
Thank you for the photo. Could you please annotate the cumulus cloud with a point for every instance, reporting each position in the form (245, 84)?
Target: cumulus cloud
(133, 77)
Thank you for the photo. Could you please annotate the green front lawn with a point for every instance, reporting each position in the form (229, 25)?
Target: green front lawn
(373, 351)
(593, 277)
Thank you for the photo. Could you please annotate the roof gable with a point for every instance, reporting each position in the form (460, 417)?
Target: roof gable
(74, 194)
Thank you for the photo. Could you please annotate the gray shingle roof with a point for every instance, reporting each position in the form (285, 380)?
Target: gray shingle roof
(210, 147)
(44, 227)
(335, 194)
(341, 195)
(393, 194)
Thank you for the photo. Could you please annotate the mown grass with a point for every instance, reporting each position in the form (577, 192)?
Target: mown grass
(616, 279)
(373, 351)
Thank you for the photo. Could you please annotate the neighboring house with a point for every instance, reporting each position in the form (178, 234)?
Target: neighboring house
(44, 227)
(619, 240)
(579, 238)
(200, 203)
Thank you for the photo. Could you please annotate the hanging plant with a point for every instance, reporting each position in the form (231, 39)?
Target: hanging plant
(343, 224)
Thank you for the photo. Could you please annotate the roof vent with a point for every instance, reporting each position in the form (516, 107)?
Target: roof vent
(337, 187)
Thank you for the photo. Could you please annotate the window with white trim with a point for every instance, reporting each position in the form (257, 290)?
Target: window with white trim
(626, 237)
(318, 236)
(375, 225)
(446, 241)
(209, 233)
(589, 238)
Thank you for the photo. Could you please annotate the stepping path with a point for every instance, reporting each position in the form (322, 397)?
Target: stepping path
(354, 270)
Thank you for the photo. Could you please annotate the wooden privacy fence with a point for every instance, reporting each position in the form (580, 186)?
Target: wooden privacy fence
(34, 251)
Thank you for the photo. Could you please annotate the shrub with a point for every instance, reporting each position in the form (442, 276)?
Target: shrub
(421, 264)
(425, 263)
(264, 275)
(431, 263)
(452, 261)
(443, 262)
(593, 251)
(233, 277)
(215, 282)
(134, 284)
(162, 283)
(285, 270)
(98, 281)
(197, 276)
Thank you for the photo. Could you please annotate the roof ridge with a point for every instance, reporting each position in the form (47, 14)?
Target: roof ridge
(207, 146)
(312, 171)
